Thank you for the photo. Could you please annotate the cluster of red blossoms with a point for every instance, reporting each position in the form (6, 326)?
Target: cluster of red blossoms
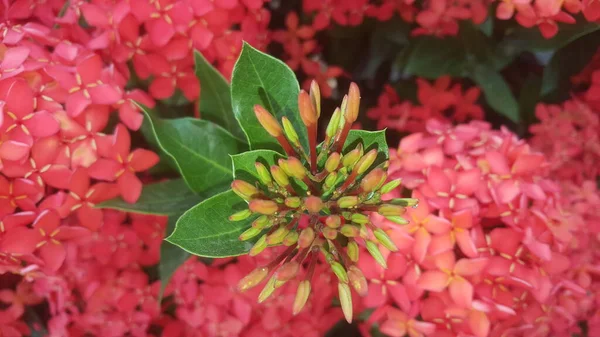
(66, 73)
(438, 100)
(441, 17)
(503, 243)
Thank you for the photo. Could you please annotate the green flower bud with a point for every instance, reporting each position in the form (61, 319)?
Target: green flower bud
(376, 253)
(347, 201)
(385, 240)
(241, 215)
(339, 271)
(392, 185)
(289, 131)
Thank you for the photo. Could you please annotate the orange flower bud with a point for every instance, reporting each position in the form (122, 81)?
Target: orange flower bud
(266, 207)
(253, 279)
(315, 97)
(296, 168)
(353, 104)
(333, 221)
(243, 189)
(372, 180)
(307, 112)
(307, 236)
(268, 122)
(287, 271)
(313, 204)
(358, 280)
(329, 233)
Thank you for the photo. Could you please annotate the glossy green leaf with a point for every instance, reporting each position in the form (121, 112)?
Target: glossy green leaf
(200, 149)
(529, 97)
(215, 98)
(531, 40)
(162, 198)
(369, 140)
(432, 57)
(171, 256)
(205, 229)
(566, 62)
(261, 79)
(243, 163)
(385, 42)
(496, 91)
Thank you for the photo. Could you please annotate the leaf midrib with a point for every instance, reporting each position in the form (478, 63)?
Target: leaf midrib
(229, 119)
(196, 154)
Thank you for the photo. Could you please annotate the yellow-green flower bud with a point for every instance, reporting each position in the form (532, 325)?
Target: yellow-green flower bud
(253, 279)
(241, 215)
(339, 271)
(385, 240)
(366, 161)
(301, 296)
(259, 246)
(347, 201)
(345, 300)
(277, 236)
(280, 176)
(263, 174)
(376, 253)
(249, 234)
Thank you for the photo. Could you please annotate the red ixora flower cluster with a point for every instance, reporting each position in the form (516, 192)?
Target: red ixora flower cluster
(495, 248)
(441, 17)
(65, 72)
(437, 100)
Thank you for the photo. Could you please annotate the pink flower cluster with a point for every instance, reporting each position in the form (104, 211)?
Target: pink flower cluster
(495, 248)
(437, 100)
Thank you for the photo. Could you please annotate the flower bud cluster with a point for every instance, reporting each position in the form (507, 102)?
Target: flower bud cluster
(316, 203)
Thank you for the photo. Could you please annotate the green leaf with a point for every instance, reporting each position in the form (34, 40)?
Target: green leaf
(243, 163)
(432, 57)
(369, 140)
(200, 149)
(205, 229)
(531, 40)
(566, 62)
(163, 198)
(171, 256)
(385, 42)
(496, 91)
(261, 79)
(528, 99)
(215, 99)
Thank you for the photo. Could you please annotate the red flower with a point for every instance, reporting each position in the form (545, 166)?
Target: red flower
(120, 165)
(82, 198)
